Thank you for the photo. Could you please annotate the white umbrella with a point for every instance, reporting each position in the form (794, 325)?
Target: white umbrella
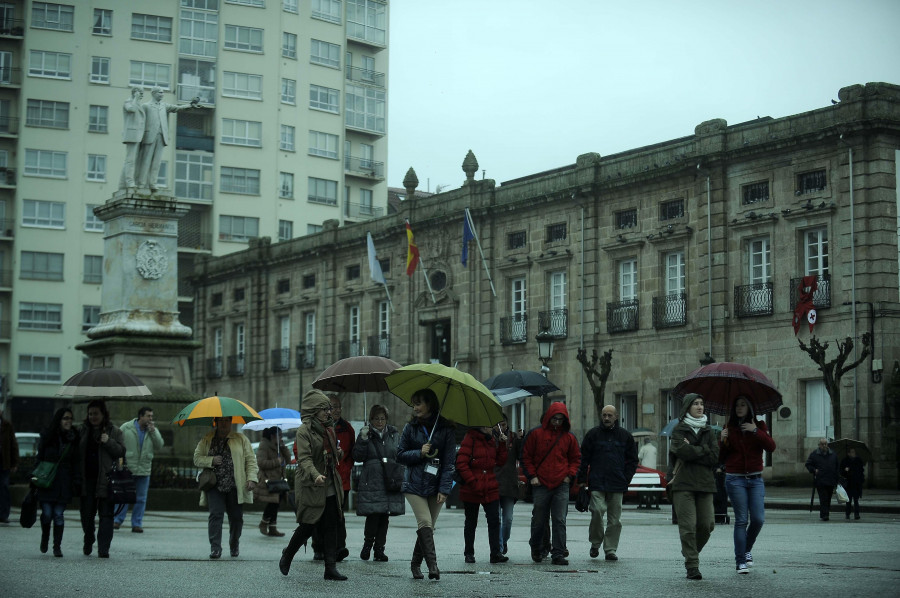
(278, 417)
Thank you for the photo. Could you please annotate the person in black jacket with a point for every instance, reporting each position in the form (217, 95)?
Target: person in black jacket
(59, 442)
(823, 464)
(853, 471)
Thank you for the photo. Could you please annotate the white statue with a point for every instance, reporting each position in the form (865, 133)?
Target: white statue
(156, 136)
(132, 133)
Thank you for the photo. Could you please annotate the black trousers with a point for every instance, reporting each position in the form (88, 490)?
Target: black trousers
(91, 506)
(327, 529)
(317, 544)
(492, 514)
(376, 529)
(825, 493)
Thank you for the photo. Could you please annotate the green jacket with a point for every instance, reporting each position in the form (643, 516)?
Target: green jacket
(140, 458)
(696, 455)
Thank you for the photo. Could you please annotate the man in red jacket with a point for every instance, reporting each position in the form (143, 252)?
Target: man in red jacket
(550, 460)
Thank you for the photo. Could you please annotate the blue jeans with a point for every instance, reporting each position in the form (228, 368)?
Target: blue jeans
(142, 485)
(507, 503)
(53, 511)
(747, 498)
(5, 500)
(556, 501)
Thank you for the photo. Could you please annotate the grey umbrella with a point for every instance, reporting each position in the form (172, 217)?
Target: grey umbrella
(533, 382)
(101, 383)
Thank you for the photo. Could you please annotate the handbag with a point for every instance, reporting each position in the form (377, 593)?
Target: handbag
(28, 514)
(394, 472)
(122, 489)
(841, 494)
(45, 471)
(277, 486)
(583, 500)
(206, 479)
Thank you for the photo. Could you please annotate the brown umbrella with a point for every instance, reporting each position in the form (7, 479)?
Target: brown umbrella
(101, 383)
(356, 374)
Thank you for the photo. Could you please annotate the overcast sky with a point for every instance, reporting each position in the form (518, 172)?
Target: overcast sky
(529, 85)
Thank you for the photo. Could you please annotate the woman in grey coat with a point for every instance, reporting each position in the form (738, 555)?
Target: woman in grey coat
(376, 445)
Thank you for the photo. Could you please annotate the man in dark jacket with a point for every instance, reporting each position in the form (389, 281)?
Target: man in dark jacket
(9, 462)
(823, 464)
(550, 461)
(609, 460)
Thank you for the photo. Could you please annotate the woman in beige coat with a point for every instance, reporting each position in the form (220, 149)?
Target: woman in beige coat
(317, 484)
(231, 457)
(271, 457)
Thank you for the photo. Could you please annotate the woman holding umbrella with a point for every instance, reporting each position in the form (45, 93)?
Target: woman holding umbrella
(853, 470)
(271, 457)
(428, 449)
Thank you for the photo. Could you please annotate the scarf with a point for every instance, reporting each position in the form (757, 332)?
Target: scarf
(326, 430)
(696, 423)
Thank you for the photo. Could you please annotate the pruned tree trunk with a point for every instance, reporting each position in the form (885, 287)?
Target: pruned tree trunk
(833, 370)
(597, 371)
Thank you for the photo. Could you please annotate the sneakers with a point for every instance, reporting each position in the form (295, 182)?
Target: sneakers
(694, 573)
(743, 569)
(749, 558)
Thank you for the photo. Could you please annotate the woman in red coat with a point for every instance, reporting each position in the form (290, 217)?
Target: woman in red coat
(478, 455)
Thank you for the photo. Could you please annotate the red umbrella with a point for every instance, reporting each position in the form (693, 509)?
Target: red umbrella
(721, 383)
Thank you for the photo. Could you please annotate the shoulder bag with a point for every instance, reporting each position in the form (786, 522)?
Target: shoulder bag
(45, 471)
(393, 472)
(206, 479)
(279, 486)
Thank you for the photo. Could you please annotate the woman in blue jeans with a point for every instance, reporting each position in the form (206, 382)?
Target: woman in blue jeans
(59, 442)
(741, 450)
(508, 479)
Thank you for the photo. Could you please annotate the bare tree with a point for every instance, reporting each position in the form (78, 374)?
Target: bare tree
(596, 376)
(833, 370)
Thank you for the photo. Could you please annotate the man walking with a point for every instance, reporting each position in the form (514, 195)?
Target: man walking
(550, 461)
(823, 464)
(608, 462)
(142, 440)
(9, 461)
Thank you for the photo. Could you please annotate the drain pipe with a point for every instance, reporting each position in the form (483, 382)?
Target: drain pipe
(708, 262)
(853, 289)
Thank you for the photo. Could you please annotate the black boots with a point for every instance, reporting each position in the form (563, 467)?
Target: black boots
(379, 554)
(57, 540)
(366, 550)
(332, 573)
(45, 534)
(415, 564)
(298, 539)
(426, 542)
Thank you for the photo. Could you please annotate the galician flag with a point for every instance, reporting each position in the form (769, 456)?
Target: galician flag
(374, 266)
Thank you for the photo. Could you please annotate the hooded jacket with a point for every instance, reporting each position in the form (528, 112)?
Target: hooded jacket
(742, 452)
(697, 453)
(608, 459)
(315, 458)
(478, 456)
(409, 453)
(549, 459)
(372, 496)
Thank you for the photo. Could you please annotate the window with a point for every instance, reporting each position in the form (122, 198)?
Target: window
(151, 28)
(627, 410)
(353, 321)
(385, 265)
(98, 119)
(218, 342)
(353, 272)
(672, 209)
(256, 3)
(325, 53)
(242, 85)
(102, 22)
(309, 337)
(557, 291)
(556, 232)
(56, 65)
(37, 265)
(46, 15)
(811, 182)
(40, 316)
(44, 214)
(758, 261)
(93, 269)
(324, 98)
(150, 74)
(367, 20)
(323, 144)
(286, 185)
(365, 202)
(287, 138)
(239, 180)
(515, 240)
(309, 281)
(96, 167)
(46, 113)
(312, 229)
(322, 191)
(626, 219)
(198, 32)
(194, 175)
(6, 67)
(242, 132)
(365, 108)
(628, 280)
(518, 304)
(283, 286)
(239, 295)
(290, 6)
(755, 193)
(327, 10)
(285, 230)
(818, 410)
(816, 252)
(289, 45)
(384, 329)
(216, 300)
(288, 91)
(244, 39)
(238, 228)
(99, 69)
(91, 222)
(284, 332)
(90, 317)
(240, 346)
(45, 163)
(675, 273)
(39, 368)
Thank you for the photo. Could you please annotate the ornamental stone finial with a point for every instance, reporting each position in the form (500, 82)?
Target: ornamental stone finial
(470, 167)
(410, 182)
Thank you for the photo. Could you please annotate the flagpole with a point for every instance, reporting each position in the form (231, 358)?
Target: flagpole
(480, 250)
(427, 282)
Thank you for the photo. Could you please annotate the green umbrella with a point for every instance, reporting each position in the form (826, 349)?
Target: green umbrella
(202, 412)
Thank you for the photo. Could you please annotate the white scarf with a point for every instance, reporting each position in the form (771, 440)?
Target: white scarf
(696, 423)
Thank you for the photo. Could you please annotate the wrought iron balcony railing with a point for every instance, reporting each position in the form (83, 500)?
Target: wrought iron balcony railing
(348, 349)
(306, 356)
(622, 316)
(514, 329)
(555, 321)
(379, 344)
(670, 310)
(214, 367)
(281, 360)
(752, 300)
(236, 365)
(821, 296)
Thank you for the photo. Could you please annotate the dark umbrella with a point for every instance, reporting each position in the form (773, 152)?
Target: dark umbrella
(721, 383)
(533, 382)
(843, 446)
(362, 373)
(101, 383)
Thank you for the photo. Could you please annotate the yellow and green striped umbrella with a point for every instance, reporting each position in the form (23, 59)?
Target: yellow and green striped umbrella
(202, 412)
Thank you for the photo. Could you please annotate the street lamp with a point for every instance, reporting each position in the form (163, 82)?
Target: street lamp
(545, 353)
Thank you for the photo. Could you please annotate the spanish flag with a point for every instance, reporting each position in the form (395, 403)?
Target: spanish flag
(412, 252)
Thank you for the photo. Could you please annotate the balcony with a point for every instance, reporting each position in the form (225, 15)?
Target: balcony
(281, 360)
(7, 177)
(188, 239)
(365, 76)
(9, 125)
(12, 28)
(194, 140)
(514, 329)
(206, 94)
(379, 345)
(10, 77)
(821, 296)
(5, 331)
(753, 300)
(554, 321)
(236, 365)
(358, 211)
(306, 356)
(622, 316)
(669, 311)
(364, 167)
(6, 279)
(214, 367)
(7, 228)
(348, 349)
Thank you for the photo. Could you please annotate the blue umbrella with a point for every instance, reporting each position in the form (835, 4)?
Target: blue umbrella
(278, 417)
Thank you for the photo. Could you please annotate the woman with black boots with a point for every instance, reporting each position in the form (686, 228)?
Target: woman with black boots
(59, 443)
(317, 484)
(428, 449)
(271, 457)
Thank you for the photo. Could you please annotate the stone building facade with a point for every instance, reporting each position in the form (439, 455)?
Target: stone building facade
(662, 253)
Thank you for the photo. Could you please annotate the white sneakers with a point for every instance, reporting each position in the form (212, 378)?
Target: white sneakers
(742, 569)
(749, 558)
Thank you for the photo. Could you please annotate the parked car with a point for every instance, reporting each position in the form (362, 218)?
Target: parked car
(28, 443)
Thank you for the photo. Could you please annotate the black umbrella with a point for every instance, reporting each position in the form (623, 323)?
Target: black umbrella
(524, 379)
(101, 383)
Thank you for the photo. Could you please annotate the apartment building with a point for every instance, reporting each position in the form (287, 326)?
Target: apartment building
(292, 133)
(669, 255)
